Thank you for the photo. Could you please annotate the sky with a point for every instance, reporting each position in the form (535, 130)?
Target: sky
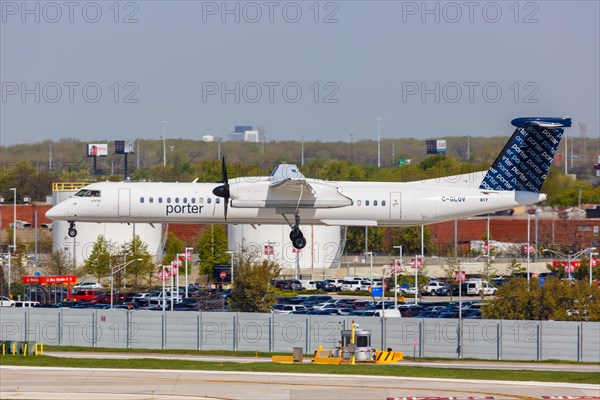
(107, 70)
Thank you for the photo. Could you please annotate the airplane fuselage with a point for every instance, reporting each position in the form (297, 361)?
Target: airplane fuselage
(371, 204)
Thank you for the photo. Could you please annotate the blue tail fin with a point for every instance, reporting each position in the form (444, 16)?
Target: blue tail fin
(525, 160)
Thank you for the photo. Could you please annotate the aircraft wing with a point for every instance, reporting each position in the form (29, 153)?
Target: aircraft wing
(287, 189)
(288, 194)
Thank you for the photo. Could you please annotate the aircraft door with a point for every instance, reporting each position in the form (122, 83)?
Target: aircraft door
(395, 206)
(124, 202)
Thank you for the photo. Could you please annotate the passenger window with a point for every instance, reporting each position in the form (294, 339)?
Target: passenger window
(374, 202)
(168, 200)
(383, 202)
(201, 201)
(358, 202)
(366, 202)
(151, 200)
(176, 200)
(208, 200)
(141, 199)
(160, 199)
(193, 200)
(218, 200)
(185, 200)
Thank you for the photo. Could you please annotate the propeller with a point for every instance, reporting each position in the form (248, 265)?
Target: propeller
(223, 190)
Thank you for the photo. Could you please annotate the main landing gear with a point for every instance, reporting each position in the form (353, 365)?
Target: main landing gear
(296, 236)
(72, 231)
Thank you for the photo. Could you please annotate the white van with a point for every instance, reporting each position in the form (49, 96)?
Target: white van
(308, 285)
(480, 288)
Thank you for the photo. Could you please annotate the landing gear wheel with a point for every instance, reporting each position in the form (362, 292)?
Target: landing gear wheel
(72, 231)
(297, 238)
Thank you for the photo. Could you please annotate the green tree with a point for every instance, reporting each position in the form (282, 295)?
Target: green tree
(138, 250)
(250, 292)
(514, 267)
(98, 262)
(212, 249)
(556, 299)
(173, 247)
(58, 263)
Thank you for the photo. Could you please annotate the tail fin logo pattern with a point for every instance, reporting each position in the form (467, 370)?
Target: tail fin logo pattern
(525, 160)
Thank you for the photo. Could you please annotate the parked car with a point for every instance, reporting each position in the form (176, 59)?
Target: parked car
(336, 282)
(432, 288)
(85, 295)
(308, 285)
(287, 308)
(410, 311)
(6, 302)
(356, 285)
(288, 284)
(88, 285)
(326, 286)
(479, 288)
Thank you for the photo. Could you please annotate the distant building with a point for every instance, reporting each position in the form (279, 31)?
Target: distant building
(208, 138)
(246, 133)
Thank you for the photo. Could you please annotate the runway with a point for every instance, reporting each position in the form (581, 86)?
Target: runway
(94, 383)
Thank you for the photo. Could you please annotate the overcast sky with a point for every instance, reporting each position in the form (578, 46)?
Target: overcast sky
(322, 70)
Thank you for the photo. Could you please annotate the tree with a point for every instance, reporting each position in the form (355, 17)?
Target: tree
(58, 263)
(212, 249)
(250, 292)
(173, 247)
(139, 250)
(514, 267)
(556, 299)
(98, 263)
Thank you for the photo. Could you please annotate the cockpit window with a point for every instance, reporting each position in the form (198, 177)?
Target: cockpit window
(88, 193)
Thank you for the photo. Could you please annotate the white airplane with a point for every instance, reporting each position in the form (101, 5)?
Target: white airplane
(514, 179)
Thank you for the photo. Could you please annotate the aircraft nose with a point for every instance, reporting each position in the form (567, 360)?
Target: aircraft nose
(55, 212)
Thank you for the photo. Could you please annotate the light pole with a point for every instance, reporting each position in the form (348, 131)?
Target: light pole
(113, 272)
(378, 141)
(370, 253)
(164, 124)
(591, 263)
(188, 256)
(396, 276)
(570, 256)
(231, 252)
(14, 245)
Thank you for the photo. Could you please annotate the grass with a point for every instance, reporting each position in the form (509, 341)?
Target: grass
(360, 369)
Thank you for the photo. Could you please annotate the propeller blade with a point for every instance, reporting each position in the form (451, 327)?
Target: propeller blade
(223, 190)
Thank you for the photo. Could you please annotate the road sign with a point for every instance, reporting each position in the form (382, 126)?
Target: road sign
(416, 263)
(460, 278)
(377, 291)
(223, 274)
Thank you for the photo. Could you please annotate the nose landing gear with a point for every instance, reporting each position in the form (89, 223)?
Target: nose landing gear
(72, 231)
